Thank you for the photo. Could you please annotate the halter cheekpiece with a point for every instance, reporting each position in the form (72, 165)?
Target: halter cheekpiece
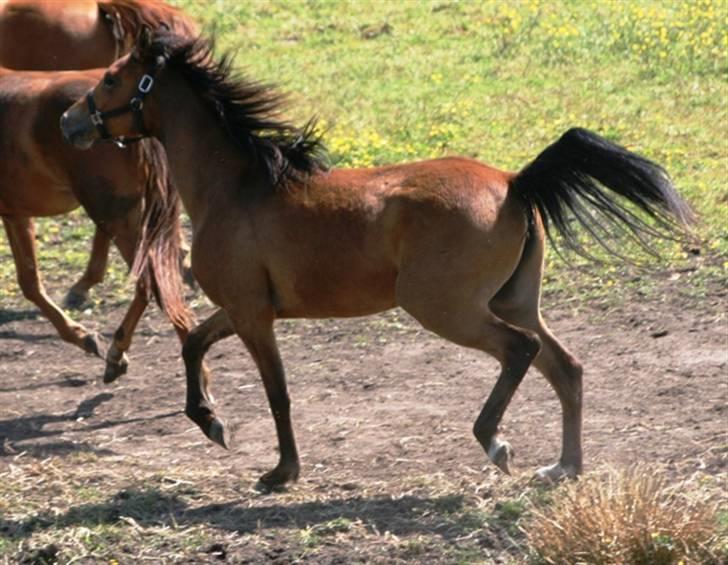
(135, 106)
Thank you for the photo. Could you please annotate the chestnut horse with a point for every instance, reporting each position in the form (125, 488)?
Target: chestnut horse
(457, 244)
(44, 35)
(127, 193)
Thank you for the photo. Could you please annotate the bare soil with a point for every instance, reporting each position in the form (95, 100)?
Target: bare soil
(383, 413)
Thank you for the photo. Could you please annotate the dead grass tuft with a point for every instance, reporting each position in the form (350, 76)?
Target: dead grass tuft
(632, 516)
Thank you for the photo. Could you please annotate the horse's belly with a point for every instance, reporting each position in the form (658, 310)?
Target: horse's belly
(36, 199)
(322, 294)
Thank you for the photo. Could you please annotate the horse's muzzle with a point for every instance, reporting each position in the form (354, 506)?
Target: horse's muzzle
(77, 132)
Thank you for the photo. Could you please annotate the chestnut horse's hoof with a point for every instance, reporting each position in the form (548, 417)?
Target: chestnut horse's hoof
(114, 369)
(219, 433)
(278, 477)
(555, 473)
(92, 344)
(501, 453)
(75, 299)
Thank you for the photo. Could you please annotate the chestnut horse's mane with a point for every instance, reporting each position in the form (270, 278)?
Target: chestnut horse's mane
(136, 14)
(248, 110)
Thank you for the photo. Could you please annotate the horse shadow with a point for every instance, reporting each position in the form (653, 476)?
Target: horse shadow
(68, 380)
(8, 316)
(17, 434)
(407, 515)
(14, 431)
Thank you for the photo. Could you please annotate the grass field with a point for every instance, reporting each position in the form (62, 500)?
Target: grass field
(400, 81)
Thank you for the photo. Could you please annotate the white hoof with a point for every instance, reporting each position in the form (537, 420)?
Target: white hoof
(555, 473)
(501, 453)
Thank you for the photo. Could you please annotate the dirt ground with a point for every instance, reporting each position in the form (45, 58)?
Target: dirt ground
(383, 413)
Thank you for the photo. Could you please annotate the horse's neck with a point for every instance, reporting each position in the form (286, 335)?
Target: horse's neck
(204, 162)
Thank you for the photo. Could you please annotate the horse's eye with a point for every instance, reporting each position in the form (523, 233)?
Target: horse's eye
(109, 81)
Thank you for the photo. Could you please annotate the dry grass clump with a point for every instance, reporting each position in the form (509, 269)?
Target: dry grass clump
(627, 517)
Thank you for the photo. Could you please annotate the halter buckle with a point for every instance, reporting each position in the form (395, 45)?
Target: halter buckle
(145, 84)
(97, 119)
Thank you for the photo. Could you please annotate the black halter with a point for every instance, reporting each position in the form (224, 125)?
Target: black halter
(135, 106)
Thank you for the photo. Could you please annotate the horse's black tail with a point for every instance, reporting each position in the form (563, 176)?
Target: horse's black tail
(568, 180)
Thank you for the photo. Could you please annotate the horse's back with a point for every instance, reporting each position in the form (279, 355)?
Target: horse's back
(50, 35)
(431, 198)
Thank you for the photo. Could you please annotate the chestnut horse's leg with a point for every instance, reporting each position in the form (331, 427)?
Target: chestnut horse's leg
(447, 299)
(264, 350)
(518, 303)
(116, 358)
(21, 235)
(95, 270)
(254, 325)
(515, 349)
(199, 400)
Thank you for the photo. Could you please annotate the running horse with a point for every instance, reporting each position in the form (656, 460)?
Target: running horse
(457, 244)
(127, 193)
(48, 35)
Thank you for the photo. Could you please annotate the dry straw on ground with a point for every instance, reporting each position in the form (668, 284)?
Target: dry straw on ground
(634, 516)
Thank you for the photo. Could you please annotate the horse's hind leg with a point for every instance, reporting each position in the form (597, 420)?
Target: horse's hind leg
(564, 373)
(518, 303)
(21, 235)
(457, 315)
(94, 273)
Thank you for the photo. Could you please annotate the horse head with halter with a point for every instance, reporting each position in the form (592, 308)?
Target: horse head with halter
(135, 105)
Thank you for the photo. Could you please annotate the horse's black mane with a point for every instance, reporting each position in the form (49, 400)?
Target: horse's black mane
(249, 110)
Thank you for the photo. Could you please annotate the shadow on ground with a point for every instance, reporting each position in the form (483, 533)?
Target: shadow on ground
(442, 515)
(21, 434)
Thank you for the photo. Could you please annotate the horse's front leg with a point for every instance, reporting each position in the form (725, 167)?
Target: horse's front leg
(260, 341)
(21, 235)
(199, 406)
(95, 269)
(117, 362)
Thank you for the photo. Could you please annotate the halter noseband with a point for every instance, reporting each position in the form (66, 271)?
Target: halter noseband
(135, 106)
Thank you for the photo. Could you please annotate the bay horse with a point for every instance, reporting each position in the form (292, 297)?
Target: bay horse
(127, 193)
(43, 35)
(457, 244)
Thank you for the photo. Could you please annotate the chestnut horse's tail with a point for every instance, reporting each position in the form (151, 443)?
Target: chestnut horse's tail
(568, 179)
(156, 262)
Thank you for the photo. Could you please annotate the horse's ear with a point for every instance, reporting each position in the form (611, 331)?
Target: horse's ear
(144, 41)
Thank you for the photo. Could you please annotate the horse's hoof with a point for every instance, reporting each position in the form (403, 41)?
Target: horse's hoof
(501, 453)
(114, 369)
(74, 300)
(555, 473)
(92, 344)
(277, 478)
(219, 433)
